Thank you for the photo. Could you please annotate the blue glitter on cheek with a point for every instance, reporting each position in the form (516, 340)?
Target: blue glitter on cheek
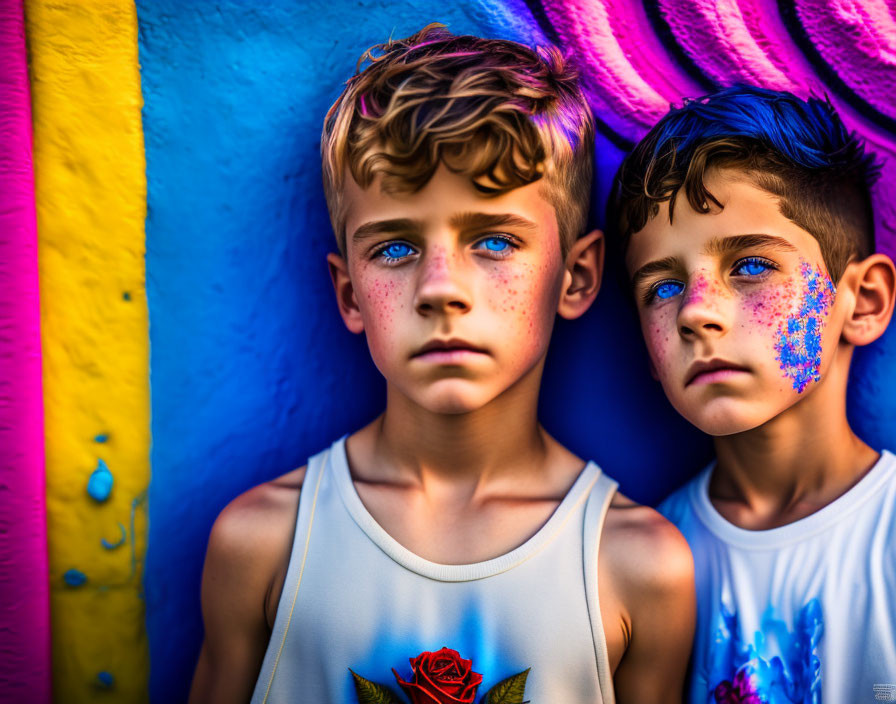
(798, 348)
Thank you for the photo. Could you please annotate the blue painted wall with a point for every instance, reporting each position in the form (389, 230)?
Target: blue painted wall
(252, 370)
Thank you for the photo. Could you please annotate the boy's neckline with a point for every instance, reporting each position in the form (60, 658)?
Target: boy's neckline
(822, 519)
(577, 493)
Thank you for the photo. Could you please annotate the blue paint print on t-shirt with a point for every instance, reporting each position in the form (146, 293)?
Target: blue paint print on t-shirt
(779, 667)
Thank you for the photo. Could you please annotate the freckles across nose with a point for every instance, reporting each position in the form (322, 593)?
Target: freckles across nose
(437, 263)
(703, 290)
(696, 291)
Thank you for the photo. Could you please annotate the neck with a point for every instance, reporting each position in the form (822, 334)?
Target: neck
(501, 437)
(797, 462)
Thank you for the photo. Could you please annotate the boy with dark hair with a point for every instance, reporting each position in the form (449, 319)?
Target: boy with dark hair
(449, 551)
(746, 226)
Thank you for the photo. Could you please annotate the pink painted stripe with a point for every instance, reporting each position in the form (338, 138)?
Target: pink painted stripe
(24, 587)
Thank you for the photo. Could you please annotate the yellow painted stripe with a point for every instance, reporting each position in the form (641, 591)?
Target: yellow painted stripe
(90, 189)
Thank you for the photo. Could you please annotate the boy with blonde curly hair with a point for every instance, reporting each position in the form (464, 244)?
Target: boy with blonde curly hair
(452, 550)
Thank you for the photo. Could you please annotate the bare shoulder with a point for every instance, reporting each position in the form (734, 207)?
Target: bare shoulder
(245, 564)
(646, 580)
(256, 524)
(643, 550)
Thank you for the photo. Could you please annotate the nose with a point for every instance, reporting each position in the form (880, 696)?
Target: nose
(703, 311)
(442, 287)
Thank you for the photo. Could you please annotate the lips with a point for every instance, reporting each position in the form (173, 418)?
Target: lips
(451, 348)
(712, 370)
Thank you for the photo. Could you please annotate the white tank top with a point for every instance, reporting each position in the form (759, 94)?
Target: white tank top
(355, 599)
(804, 613)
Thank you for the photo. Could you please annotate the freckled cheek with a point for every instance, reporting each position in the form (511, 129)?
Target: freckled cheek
(380, 298)
(523, 300)
(660, 335)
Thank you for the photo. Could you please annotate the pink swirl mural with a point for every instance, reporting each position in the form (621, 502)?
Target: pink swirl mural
(637, 58)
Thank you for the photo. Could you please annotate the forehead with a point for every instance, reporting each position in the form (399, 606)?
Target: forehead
(747, 210)
(442, 201)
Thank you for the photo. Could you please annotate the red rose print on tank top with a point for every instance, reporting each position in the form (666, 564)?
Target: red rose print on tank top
(442, 677)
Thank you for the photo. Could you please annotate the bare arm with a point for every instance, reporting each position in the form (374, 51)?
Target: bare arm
(653, 574)
(246, 558)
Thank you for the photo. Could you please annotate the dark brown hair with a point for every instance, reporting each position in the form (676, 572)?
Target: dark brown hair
(799, 151)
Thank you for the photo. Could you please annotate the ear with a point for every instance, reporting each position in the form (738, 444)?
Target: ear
(872, 284)
(581, 281)
(345, 293)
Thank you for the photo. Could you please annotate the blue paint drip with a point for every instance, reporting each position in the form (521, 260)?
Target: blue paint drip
(74, 578)
(99, 486)
(798, 346)
(120, 542)
(102, 437)
(105, 679)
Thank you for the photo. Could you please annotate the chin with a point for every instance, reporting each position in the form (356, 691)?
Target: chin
(453, 408)
(453, 399)
(723, 418)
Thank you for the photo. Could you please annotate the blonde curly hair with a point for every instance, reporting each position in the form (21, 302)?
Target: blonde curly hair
(494, 110)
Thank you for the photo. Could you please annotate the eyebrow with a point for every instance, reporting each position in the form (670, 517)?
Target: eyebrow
(653, 267)
(384, 227)
(463, 221)
(718, 246)
(479, 221)
(723, 245)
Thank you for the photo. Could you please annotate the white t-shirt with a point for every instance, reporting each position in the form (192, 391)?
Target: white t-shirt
(802, 613)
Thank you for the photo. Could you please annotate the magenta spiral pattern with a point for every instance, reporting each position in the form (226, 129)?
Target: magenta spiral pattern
(637, 58)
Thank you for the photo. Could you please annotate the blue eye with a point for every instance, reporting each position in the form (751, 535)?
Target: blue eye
(395, 251)
(498, 245)
(752, 266)
(667, 289)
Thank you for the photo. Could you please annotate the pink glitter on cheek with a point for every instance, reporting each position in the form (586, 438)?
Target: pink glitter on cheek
(768, 306)
(704, 290)
(697, 289)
